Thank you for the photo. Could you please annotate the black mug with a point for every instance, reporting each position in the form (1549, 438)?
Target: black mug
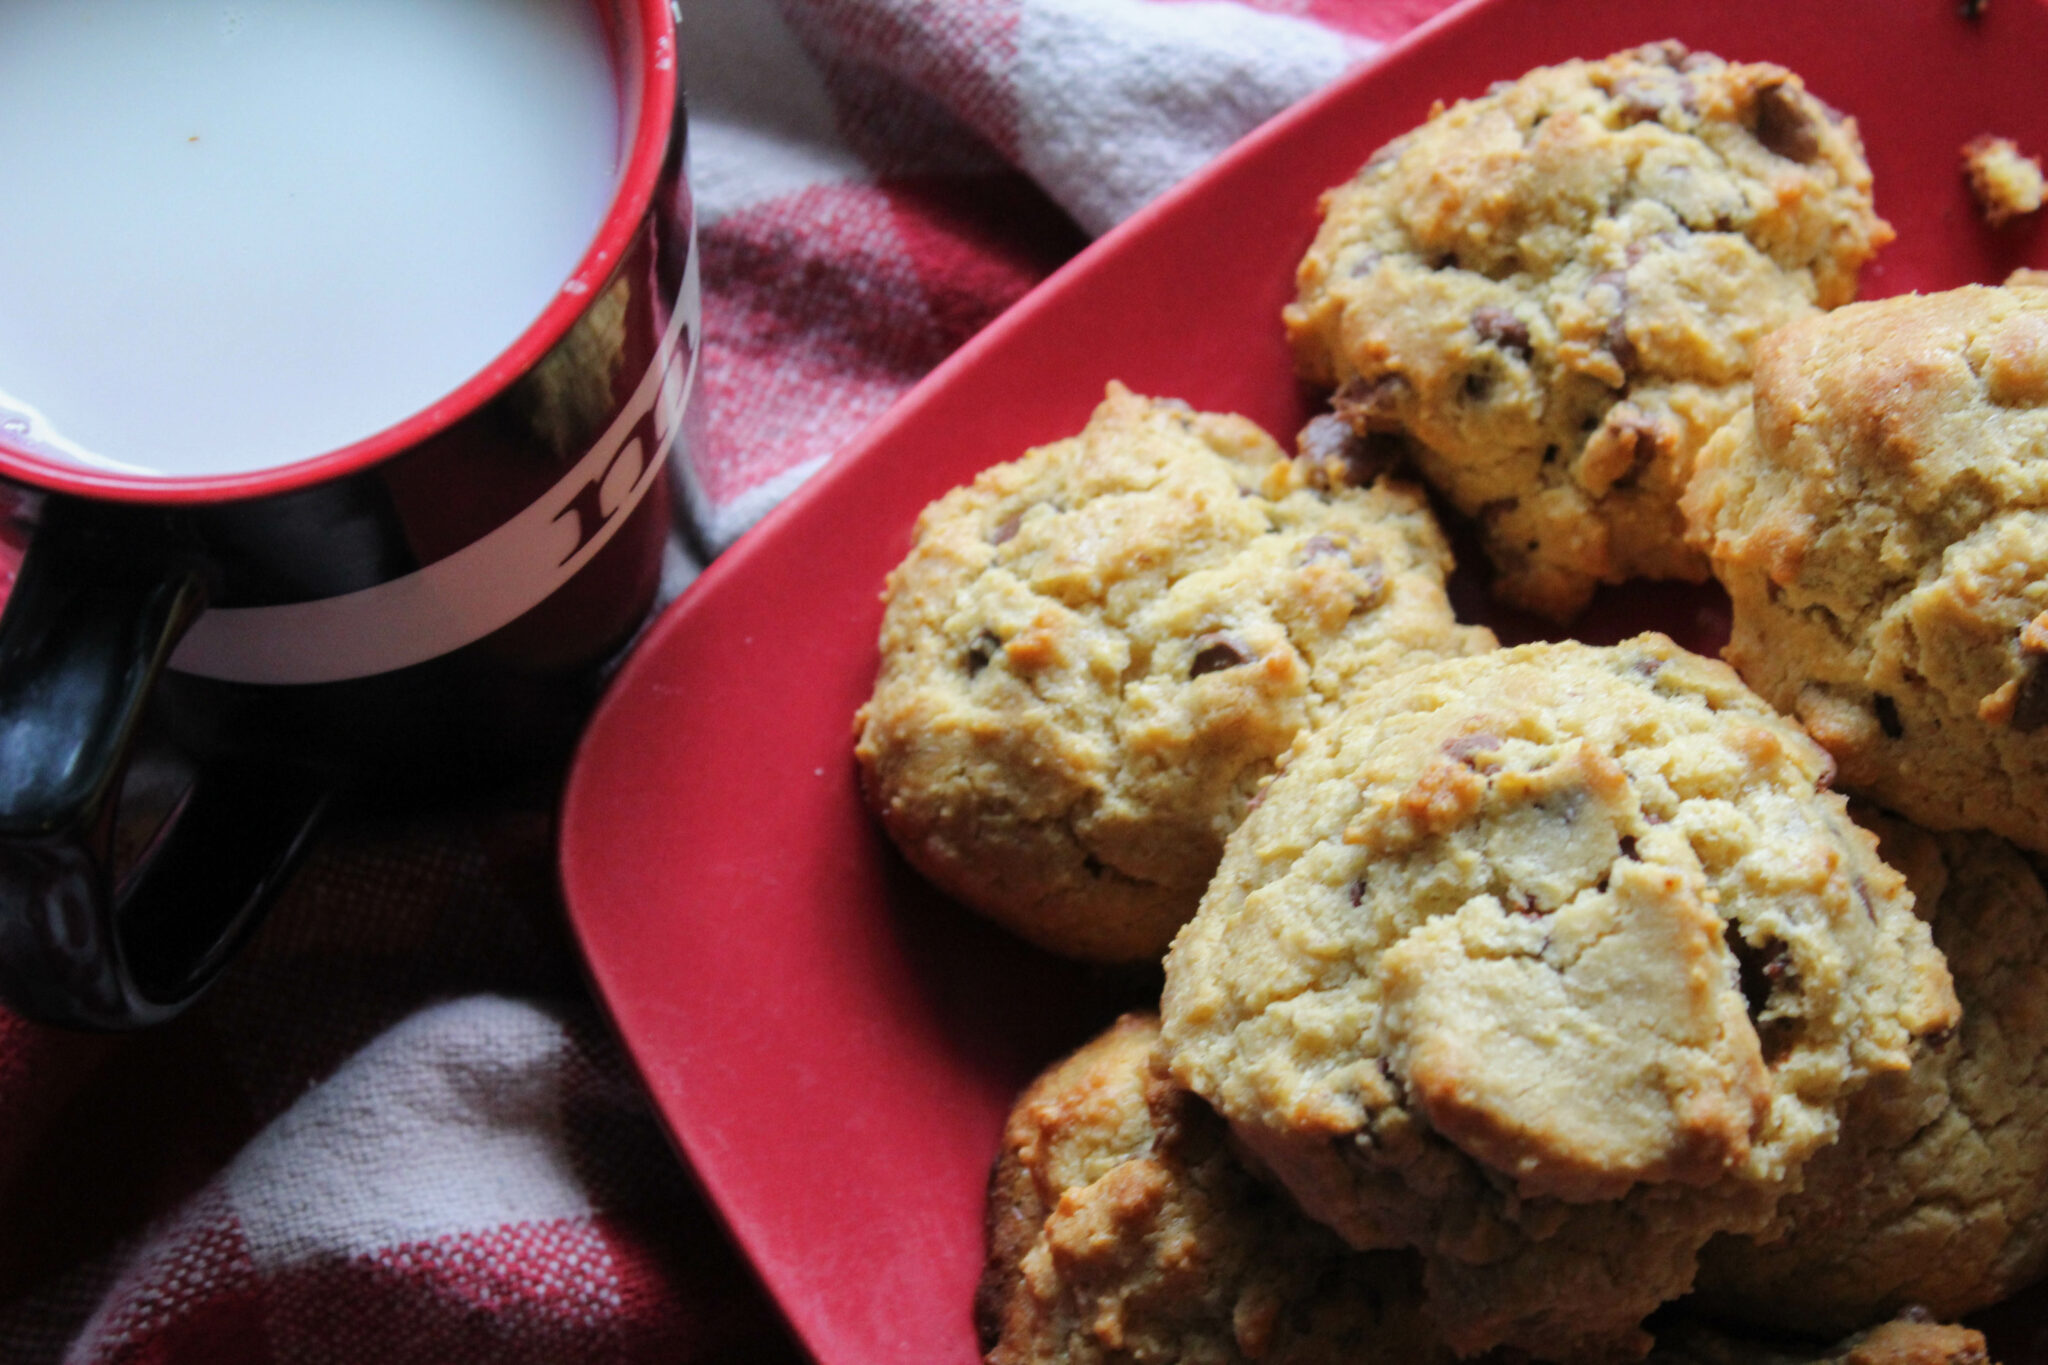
(193, 670)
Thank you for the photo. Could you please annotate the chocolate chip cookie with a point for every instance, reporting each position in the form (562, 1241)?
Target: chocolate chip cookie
(1551, 296)
(1121, 1229)
(1880, 520)
(1551, 963)
(1937, 1192)
(1093, 656)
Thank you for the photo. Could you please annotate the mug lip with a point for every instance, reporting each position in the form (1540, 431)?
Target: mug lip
(657, 72)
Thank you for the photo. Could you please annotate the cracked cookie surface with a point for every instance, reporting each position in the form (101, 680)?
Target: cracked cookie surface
(1553, 293)
(1094, 654)
(1937, 1193)
(1551, 963)
(1880, 520)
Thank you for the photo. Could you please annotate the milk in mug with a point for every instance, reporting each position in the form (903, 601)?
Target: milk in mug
(238, 235)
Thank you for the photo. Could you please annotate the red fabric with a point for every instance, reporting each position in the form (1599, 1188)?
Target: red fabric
(398, 1130)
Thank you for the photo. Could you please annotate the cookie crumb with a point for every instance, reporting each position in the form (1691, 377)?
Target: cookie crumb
(1972, 9)
(2006, 183)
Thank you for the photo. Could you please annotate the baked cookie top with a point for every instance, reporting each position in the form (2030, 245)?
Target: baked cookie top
(1880, 519)
(1094, 654)
(1121, 1229)
(1552, 963)
(1554, 292)
(1937, 1192)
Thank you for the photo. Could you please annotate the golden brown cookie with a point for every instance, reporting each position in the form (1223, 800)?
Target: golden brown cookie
(1937, 1192)
(1551, 963)
(1094, 655)
(1122, 1230)
(1553, 293)
(1880, 520)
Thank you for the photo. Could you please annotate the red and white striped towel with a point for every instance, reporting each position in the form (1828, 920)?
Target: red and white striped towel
(397, 1131)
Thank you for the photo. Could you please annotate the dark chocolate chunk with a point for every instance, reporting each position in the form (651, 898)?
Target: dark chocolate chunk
(1501, 327)
(1215, 652)
(1373, 404)
(1785, 125)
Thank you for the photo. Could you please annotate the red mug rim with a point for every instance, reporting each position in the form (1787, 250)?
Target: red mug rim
(653, 78)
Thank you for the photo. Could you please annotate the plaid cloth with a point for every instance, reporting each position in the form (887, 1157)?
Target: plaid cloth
(398, 1131)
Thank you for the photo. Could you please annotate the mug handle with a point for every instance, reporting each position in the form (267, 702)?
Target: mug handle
(102, 598)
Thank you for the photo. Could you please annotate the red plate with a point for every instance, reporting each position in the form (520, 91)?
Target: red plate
(832, 1045)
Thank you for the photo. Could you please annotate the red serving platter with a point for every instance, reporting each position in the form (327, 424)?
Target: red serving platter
(833, 1045)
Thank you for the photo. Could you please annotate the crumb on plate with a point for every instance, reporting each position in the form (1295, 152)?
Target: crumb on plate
(2006, 182)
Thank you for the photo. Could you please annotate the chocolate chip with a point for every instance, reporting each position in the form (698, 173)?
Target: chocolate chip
(1373, 404)
(1326, 437)
(2030, 702)
(1784, 125)
(1364, 265)
(1215, 652)
(1887, 716)
(1628, 443)
(1374, 589)
(1358, 893)
(1320, 546)
(1464, 747)
(1501, 327)
(1007, 532)
(1616, 339)
(981, 651)
(1618, 345)
(1973, 9)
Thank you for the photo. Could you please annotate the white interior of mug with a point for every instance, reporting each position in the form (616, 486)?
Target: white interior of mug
(640, 36)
